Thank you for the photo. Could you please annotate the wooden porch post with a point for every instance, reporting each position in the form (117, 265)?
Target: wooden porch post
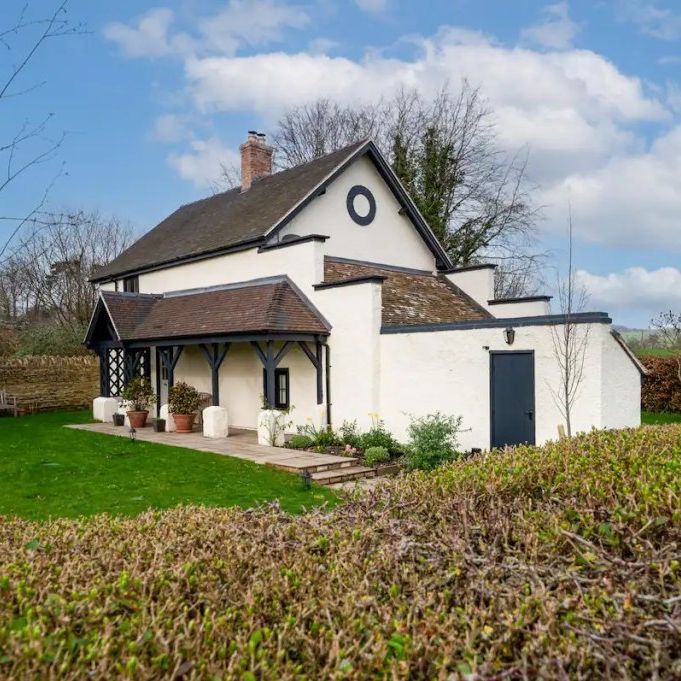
(215, 359)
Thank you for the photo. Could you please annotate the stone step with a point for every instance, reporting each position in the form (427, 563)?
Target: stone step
(314, 465)
(334, 476)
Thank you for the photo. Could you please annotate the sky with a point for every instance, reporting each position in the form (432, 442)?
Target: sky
(153, 97)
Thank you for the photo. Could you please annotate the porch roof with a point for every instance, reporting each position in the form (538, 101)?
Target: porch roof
(264, 306)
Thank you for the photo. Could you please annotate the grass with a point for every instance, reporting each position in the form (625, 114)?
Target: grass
(660, 418)
(47, 470)
(654, 352)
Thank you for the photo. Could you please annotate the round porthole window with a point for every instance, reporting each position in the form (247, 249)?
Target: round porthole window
(361, 205)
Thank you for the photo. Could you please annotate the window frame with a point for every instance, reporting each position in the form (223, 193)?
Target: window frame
(279, 373)
(131, 284)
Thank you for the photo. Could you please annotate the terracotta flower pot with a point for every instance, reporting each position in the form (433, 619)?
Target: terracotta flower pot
(138, 419)
(184, 422)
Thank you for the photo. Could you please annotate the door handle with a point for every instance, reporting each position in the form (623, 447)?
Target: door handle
(530, 414)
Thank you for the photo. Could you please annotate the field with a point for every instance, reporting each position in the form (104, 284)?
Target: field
(658, 418)
(47, 470)
(557, 562)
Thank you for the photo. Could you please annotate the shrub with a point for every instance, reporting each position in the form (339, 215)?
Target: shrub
(661, 388)
(349, 434)
(52, 339)
(379, 436)
(322, 436)
(138, 394)
(556, 563)
(432, 441)
(376, 455)
(183, 399)
(300, 441)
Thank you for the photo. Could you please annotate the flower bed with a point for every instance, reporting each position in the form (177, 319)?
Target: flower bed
(556, 562)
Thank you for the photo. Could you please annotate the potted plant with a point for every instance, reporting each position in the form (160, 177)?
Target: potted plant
(183, 401)
(139, 396)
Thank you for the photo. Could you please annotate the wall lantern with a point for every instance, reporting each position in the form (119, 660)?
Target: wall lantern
(509, 335)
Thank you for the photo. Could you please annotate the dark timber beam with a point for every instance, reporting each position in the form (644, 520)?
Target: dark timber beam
(170, 356)
(215, 357)
(316, 359)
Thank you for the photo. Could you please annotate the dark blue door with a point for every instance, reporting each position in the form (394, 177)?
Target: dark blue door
(512, 398)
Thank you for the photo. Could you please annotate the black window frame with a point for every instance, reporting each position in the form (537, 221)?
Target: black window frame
(131, 284)
(278, 373)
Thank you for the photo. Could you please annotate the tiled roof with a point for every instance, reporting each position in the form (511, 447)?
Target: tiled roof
(266, 306)
(411, 297)
(227, 219)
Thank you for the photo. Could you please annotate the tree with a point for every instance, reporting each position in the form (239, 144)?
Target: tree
(30, 145)
(55, 260)
(668, 327)
(444, 150)
(570, 340)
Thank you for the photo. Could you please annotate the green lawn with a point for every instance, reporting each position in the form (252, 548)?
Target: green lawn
(657, 418)
(47, 470)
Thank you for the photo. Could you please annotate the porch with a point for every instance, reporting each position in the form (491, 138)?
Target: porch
(324, 469)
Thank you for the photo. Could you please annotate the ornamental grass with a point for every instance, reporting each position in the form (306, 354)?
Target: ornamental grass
(561, 562)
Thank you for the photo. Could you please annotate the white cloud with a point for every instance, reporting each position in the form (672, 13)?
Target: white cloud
(657, 22)
(148, 36)
(203, 165)
(635, 291)
(632, 200)
(557, 31)
(372, 5)
(171, 128)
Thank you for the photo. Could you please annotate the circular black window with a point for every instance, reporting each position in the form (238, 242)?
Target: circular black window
(362, 212)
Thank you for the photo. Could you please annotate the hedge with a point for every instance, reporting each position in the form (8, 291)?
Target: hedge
(661, 388)
(561, 562)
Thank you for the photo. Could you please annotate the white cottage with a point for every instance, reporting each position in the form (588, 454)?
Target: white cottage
(321, 288)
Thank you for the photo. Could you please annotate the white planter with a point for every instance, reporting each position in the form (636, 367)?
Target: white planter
(215, 423)
(271, 425)
(103, 408)
(170, 421)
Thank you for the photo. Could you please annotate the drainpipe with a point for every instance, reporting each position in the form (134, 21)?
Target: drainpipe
(328, 385)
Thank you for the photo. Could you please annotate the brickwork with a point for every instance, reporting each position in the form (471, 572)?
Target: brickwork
(256, 160)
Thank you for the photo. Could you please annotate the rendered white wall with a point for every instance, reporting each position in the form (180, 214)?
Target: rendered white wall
(241, 384)
(448, 371)
(390, 239)
(532, 308)
(355, 313)
(477, 283)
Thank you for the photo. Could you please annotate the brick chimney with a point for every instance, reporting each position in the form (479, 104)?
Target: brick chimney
(256, 159)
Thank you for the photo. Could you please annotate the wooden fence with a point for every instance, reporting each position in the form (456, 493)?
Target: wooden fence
(51, 383)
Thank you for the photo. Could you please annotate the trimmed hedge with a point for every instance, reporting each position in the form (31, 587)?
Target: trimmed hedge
(561, 562)
(661, 388)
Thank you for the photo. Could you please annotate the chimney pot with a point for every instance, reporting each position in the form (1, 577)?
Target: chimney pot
(256, 159)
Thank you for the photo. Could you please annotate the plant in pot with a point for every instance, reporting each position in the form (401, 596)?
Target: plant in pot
(138, 396)
(183, 401)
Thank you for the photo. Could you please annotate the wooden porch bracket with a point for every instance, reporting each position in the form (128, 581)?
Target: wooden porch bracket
(271, 361)
(316, 359)
(215, 357)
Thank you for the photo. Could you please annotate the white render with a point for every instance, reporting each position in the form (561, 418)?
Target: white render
(391, 376)
(103, 408)
(271, 428)
(215, 422)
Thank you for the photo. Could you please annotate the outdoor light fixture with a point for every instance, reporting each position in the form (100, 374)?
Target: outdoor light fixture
(132, 433)
(509, 335)
(306, 477)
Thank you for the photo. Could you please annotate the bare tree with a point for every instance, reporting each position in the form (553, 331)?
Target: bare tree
(668, 327)
(31, 144)
(475, 197)
(57, 258)
(570, 339)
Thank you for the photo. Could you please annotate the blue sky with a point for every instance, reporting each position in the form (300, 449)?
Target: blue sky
(157, 94)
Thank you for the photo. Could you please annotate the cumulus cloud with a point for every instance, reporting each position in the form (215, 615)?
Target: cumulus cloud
(203, 164)
(634, 290)
(556, 31)
(240, 23)
(171, 128)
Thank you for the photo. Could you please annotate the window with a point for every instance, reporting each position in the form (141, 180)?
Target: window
(282, 398)
(131, 284)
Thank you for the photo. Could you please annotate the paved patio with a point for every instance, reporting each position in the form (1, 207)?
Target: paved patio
(242, 444)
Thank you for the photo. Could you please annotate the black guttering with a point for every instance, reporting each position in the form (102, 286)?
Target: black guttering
(528, 299)
(370, 279)
(470, 268)
(543, 320)
(293, 242)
